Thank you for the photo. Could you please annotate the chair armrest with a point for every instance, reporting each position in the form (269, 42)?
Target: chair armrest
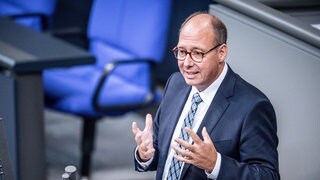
(44, 19)
(69, 32)
(73, 35)
(111, 67)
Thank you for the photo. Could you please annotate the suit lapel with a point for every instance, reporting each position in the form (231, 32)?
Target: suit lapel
(217, 107)
(180, 97)
(175, 113)
(214, 113)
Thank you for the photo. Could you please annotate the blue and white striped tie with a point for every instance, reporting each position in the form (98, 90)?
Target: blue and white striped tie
(175, 166)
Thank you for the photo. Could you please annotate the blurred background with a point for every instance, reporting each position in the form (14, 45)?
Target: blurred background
(273, 44)
(115, 144)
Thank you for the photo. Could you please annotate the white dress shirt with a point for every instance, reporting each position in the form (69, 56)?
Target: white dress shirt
(207, 96)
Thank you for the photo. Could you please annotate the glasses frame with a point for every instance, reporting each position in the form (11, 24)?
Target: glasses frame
(203, 54)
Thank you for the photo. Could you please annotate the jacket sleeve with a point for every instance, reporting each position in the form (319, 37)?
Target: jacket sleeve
(154, 163)
(258, 155)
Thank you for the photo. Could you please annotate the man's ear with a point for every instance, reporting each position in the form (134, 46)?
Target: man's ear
(223, 51)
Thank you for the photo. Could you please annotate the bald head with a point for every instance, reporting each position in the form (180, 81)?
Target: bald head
(203, 21)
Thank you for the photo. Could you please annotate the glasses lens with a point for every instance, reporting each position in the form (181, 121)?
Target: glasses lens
(175, 53)
(197, 56)
(180, 54)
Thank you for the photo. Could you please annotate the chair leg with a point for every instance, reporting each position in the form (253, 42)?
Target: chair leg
(88, 137)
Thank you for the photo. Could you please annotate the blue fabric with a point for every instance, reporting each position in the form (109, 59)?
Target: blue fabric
(9, 7)
(18, 7)
(116, 32)
(39, 6)
(72, 90)
(138, 28)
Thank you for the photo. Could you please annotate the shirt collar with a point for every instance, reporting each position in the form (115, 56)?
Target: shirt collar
(208, 94)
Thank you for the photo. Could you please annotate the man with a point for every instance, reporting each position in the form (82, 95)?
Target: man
(211, 124)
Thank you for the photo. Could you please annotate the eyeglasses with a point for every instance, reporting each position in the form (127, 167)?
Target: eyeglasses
(197, 56)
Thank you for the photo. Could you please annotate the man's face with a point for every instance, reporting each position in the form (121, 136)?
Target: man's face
(193, 37)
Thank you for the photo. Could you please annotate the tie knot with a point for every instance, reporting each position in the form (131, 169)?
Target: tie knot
(196, 98)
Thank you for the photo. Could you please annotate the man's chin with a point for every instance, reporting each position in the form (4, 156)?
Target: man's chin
(191, 82)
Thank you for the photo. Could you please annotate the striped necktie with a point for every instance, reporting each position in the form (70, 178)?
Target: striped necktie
(175, 166)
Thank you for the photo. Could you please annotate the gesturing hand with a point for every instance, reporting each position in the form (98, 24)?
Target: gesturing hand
(144, 139)
(202, 154)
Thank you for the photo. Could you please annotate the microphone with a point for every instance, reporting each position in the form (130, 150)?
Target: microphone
(70, 173)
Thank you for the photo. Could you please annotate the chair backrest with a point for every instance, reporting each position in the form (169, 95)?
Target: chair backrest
(118, 30)
(129, 29)
(23, 9)
(40, 6)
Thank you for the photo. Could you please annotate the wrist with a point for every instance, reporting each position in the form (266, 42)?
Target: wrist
(209, 170)
(212, 164)
(215, 172)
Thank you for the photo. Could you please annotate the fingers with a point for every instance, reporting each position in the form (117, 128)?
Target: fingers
(146, 133)
(135, 128)
(182, 152)
(200, 153)
(184, 144)
(149, 153)
(148, 126)
(145, 145)
(146, 150)
(183, 155)
(206, 136)
(148, 123)
(146, 155)
(196, 139)
(144, 138)
(137, 133)
(184, 159)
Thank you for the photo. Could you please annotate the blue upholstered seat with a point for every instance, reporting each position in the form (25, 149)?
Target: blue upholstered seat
(126, 36)
(29, 13)
(118, 31)
(72, 90)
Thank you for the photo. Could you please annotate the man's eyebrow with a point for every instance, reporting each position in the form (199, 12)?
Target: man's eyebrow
(192, 49)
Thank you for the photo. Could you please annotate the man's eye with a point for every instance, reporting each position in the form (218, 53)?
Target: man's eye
(182, 52)
(197, 53)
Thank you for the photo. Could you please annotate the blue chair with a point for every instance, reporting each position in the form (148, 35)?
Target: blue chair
(34, 14)
(127, 38)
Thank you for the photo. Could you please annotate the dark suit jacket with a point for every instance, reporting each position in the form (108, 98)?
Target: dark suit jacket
(240, 120)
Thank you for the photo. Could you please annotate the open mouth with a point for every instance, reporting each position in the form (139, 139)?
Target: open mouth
(190, 74)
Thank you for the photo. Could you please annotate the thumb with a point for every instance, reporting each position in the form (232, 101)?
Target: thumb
(206, 136)
(148, 123)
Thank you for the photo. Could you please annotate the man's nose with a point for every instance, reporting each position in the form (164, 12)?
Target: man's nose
(188, 60)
